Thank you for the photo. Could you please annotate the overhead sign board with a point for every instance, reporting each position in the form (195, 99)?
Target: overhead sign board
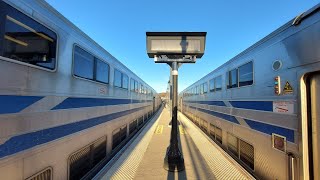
(176, 45)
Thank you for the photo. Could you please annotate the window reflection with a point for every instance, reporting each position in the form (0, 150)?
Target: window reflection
(246, 74)
(83, 63)
(26, 40)
(102, 73)
(117, 78)
(218, 83)
(125, 81)
(132, 84)
(205, 87)
(211, 85)
(232, 78)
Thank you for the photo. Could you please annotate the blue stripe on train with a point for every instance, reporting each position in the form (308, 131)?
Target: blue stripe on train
(259, 126)
(255, 105)
(216, 103)
(14, 104)
(26, 141)
(219, 115)
(92, 102)
(269, 129)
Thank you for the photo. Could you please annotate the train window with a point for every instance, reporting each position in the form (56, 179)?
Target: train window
(83, 64)
(26, 40)
(87, 66)
(117, 78)
(102, 71)
(140, 121)
(99, 150)
(218, 132)
(247, 154)
(133, 126)
(232, 79)
(125, 81)
(246, 74)
(136, 86)
(215, 133)
(204, 126)
(132, 84)
(139, 87)
(82, 161)
(197, 90)
(211, 85)
(212, 134)
(218, 83)
(201, 88)
(116, 139)
(118, 136)
(205, 87)
(233, 144)
(45, 174)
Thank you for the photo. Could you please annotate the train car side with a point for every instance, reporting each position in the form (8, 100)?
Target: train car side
(50, 110)
(257, 111)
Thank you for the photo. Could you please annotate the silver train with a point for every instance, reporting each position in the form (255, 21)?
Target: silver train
(262, 105)
(66, 104)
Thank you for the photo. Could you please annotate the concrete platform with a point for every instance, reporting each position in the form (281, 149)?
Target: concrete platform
(144, 158)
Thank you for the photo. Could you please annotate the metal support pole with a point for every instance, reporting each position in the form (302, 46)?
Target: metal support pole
(174, 160)
(291, 162)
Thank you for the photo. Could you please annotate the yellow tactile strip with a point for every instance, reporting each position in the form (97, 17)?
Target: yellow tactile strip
(127, 165)
(181, 130)
(221, 166)
(159, 129)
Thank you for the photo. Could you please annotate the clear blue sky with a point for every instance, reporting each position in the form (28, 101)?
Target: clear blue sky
(232, 25)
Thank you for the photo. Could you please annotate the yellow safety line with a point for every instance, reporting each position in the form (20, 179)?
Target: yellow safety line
(29, 28)
(15, 40)
(181, 130)
(159, 129)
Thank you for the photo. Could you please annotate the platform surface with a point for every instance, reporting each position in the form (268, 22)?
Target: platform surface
(203, 159)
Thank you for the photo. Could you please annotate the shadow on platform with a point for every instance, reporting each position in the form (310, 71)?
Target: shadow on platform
(194, 163)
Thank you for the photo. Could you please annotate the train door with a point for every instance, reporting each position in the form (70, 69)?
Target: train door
(314, 125)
